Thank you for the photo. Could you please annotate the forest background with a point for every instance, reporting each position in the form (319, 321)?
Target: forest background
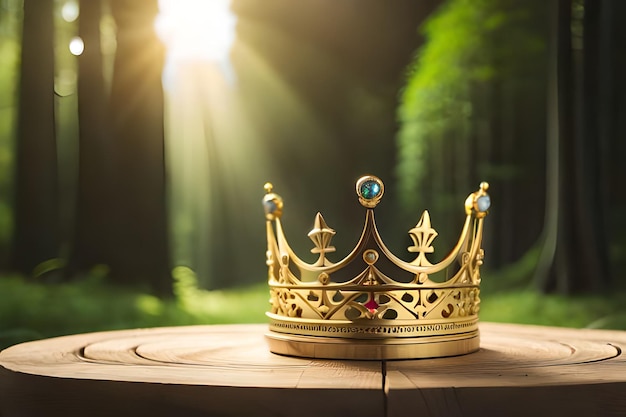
(135, 139)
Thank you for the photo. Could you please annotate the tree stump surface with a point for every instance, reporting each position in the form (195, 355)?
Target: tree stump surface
(227, 370)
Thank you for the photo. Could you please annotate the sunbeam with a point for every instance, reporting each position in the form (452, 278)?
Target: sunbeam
(219, 152)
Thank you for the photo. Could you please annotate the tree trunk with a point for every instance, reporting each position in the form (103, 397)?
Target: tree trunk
(36, 233)
(559, 53)
(92, 244)
(610, 136)
(591, 201)
(140, 218)
(574, 253)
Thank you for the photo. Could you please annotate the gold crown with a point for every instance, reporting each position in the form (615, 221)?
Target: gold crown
(372, 304)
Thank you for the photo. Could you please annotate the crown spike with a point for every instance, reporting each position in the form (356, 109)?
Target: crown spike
(321, 236)
(371, 304)
(423, 235)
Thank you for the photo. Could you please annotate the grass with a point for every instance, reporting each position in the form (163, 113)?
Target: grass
(508, 296)
(530, 307)
(31, 310)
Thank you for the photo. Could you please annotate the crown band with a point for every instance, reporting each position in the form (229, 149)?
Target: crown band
(367, 331)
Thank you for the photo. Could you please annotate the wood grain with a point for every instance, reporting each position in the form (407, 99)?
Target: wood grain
(519, 371)
(228, 371)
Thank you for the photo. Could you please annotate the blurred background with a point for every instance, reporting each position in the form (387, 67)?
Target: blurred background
(136, 136)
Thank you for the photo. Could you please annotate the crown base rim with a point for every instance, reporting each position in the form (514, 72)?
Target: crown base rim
(373, 328)
(320, 347)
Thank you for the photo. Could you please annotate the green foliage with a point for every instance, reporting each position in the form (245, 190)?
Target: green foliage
(509, 296)
(33, 310)
(246, 304)
(9, 56)
(530, 307)
(469, 44)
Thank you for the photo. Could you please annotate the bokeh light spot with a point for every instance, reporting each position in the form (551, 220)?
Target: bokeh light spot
(70, 11)
(77, 46)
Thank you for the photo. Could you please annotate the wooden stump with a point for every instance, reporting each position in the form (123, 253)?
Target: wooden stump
(228, 371)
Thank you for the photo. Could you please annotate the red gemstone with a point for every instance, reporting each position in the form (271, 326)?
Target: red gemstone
(371, 305)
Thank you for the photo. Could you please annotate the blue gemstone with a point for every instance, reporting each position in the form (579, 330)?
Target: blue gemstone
(483, 203)
(270, 206)
(370, 189)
